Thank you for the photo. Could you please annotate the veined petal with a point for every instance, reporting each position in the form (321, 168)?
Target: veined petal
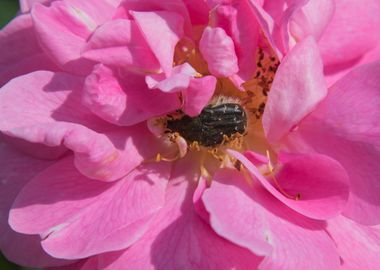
(96, 216)
(16, 170)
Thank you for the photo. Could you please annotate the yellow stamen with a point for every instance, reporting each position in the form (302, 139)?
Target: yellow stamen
(277, 184)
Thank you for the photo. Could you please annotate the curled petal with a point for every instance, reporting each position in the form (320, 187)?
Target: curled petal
(321, 182)
(218, 50)
(179, 79)
(123, 98)
(95, 154)
(162, 30)
(198, 94)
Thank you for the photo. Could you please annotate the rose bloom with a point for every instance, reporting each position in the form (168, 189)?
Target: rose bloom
(191, 134)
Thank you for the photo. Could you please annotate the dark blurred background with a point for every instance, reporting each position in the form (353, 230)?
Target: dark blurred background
(8, 9)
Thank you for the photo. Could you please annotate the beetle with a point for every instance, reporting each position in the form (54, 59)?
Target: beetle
(211, 128)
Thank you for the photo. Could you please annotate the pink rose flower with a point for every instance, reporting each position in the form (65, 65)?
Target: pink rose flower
(190, 134)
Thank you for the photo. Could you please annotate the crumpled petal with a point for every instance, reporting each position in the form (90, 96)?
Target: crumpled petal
(345, 126)
(240, 23)
(16, 171)
(102, 151)
(96, 216)
(179, 238)
(120, 43)
(250, 217)
(162, 30)
(178, 80)
(218, 50)
(320, 182)
(297, 88)
(123, 98)
(196, 92)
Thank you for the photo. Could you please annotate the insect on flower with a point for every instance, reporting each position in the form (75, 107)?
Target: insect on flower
(216, 124)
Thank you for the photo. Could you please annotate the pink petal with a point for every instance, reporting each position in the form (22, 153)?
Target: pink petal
(198, 11)
(26, 5)
(16, 58)
(218, 50)
(162, 30)
(96, 216)
(123, 98)
(74, 20)
(175, 6)
(352, 32)
(120, 43)
(251, 218)
(51, 97)
(297, 88)
(346, 127)
(23, 249)
(358, 246)
(240, 23)
(198, 94)
(321, 182)
(179, 238)
(97, 155)
(267, 24)
(312, 19)
(44, 97)
(179, 79)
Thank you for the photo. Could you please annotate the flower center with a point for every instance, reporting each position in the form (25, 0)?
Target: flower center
(231, 120)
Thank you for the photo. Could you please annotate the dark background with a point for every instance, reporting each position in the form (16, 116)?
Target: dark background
(8, 9)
